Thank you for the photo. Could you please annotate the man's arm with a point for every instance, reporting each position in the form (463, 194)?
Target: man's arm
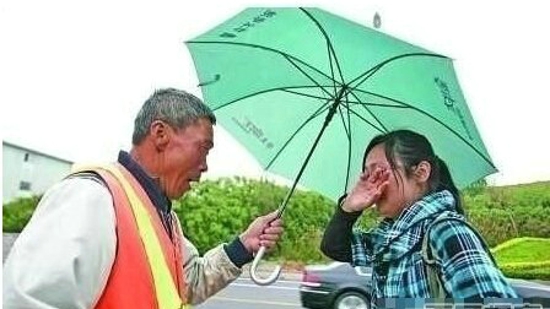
(63, 257)
(205, 276)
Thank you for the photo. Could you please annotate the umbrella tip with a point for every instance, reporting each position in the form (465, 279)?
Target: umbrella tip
(216, 78)
(377, 20)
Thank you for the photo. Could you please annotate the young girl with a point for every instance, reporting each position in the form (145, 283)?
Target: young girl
(410, 187)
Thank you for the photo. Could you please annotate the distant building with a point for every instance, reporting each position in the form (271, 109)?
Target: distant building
(29, 172)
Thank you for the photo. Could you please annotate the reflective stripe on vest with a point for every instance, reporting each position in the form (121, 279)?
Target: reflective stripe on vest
(167, 295)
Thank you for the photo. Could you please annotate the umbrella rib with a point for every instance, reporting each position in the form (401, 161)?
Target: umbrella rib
(304, 94)
(349, 147)
(329, 45)
(434, 119)
(383, 130)
(375, 104)
(310, 78)
(318, 112)
(287, 56)
(348, 136)
(334, 87)
(377, 67)
(369, 111)
(343, 101)
(265, 91)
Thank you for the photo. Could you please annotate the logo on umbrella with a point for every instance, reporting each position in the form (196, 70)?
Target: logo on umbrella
(450, 103)
(248, 24)
(250, 127)
(447, 98)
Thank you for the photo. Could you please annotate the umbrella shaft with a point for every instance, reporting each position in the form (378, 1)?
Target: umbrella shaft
(328, 118)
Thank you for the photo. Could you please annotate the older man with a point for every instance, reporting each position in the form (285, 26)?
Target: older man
(106, 236)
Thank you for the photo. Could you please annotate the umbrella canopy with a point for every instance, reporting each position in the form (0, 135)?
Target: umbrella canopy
(282, 80)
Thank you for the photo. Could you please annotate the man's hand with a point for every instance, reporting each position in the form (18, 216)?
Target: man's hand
(264, 231)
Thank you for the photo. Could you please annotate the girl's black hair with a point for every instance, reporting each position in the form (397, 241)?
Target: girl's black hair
(412, 148)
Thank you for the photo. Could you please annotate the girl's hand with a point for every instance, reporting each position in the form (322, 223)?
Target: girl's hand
(368, 189)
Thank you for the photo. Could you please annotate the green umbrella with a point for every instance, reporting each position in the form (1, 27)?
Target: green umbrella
(305, 90)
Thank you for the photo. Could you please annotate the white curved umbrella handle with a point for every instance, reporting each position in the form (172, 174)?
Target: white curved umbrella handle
(265, 281)
(275, 274)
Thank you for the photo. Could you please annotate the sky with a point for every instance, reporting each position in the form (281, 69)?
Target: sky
(73, 74)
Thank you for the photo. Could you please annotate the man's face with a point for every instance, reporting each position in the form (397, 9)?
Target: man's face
(184, 159)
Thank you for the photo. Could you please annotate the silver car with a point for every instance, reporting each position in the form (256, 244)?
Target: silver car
(341, 286)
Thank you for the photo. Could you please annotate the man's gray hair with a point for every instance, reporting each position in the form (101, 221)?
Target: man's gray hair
(175, 107)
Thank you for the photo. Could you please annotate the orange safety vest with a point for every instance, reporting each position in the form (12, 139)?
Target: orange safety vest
(147, 270)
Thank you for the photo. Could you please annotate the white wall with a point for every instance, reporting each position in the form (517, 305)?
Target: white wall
(39, 170)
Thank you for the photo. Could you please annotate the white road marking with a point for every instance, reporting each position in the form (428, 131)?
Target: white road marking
(278, 281)
(248, 285)
(276, 303)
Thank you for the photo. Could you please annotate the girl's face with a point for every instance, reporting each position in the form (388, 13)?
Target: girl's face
(400, 192)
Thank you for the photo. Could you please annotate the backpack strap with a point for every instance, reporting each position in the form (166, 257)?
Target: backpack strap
(436, 288)
(433, 272)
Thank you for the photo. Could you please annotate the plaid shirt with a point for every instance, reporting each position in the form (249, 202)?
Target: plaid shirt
(393, 248)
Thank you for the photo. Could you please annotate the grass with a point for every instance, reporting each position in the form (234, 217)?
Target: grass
(523, 250)
(527, 258)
